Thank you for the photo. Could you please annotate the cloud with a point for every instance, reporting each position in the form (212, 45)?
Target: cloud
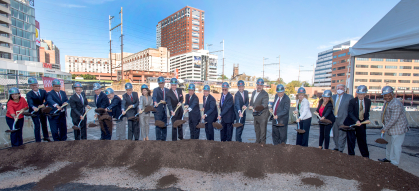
(332, 43)
(71, 5)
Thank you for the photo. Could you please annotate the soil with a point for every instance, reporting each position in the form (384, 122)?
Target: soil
(92, 125)
(177, 123)
(160, 124)
(167, 181)
(381, 141)
(255, 161)
(301, 131)
(237, 125)
(217, 125)
(312, 181)
(201, 125)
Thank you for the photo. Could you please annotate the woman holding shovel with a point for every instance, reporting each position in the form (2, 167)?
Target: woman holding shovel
(325, 111)
(15, 106)
(145, 100)
(304, 120)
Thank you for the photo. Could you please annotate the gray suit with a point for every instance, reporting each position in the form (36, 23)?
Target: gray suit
(339, 136)
(145, 117)
(260, 119)
(282, 110)
(133, 127)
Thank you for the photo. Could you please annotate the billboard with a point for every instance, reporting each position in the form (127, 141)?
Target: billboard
(37, 34)
(213, 63)
(48, 83)
(197, 61)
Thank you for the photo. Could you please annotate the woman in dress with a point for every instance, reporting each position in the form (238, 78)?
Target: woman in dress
(304, 117)
(15, 105)
(145, 100)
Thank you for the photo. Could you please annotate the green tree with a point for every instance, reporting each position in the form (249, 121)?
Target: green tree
(73, 76)
(223, 77)
(290, 89)
(280, 81)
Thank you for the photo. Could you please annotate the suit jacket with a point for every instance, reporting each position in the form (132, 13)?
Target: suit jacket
(193, 103)
(227, 109)
(304, 110)
(144, 102)
(343, 107)
(239, 102)
(77, 107)
(102, 101)
(52, 99)
(34, 100)
(157, 97)
(395, 120)
(126, 101)
(210, 109)
(172, 102)
(262, 99)
(115, 106)
(353, 111)
(327, 111)
(282, 109)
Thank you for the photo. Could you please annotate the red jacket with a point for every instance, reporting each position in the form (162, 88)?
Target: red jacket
(12, 107)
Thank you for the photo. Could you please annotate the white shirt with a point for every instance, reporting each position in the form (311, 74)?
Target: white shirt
(277, 101)
(256, 95)
(37, 93)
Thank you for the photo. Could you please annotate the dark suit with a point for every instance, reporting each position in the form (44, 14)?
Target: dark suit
(58, 124)
(194, 115)
(359, 133)
(325, 129)
(77, 110)
(227, 117)
(210, 109)
(133, 127)
(102, 101)
(279, 134)
(115, 106)
(238, 105)
(172, 102)
(158, 95)
(40, 120)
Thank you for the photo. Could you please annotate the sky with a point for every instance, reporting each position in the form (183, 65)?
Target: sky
(295, 30)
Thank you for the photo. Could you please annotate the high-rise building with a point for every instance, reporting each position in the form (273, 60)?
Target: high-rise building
(182, 32)
(341, 63)
(198, 65)
(51, 52)
(6, 50)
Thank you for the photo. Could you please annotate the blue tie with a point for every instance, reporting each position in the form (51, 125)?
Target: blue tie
(222, 100)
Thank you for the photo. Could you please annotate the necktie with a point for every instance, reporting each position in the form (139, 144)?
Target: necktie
(243, 96)
(163, 93)
(384, 112)
(132, 100)
(37, 93)
(176, 94)
(276, 105)
(59, 95)
(222, 100)
(361, 110)
(337, 106)
(205, 100)
(81, 99)
(97, 97)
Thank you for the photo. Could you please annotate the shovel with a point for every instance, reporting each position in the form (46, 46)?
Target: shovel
(135, 117)
(14, 123)
(78, 126)
(202, 123)
(177, 123)
(324, 121)
(170, 120)
(32, 114)
(381, 140)
(129, 107)
(56, 111)
(150, 108)
(217, 124)
(350, 127)
(277, 124)
(161, 102)
(301, 131)
(239, 124)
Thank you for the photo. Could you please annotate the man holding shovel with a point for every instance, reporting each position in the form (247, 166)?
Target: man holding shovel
(192, 105)
(210, 112)
(227, 113)
(159, 98)
(175, 100)
(115, 106)
(241, 102)
(78, 102)
(281, 109)
(260, 98)
(341, 104)
(58, 123)
(130, 98)
(102, 102)
(395, 124)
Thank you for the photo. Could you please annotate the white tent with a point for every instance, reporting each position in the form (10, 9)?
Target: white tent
(395, 36)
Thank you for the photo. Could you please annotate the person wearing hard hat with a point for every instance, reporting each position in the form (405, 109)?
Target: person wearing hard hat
(395, 125)
(192, 105)
(341, 103)
(131, 98)
(241, 102)
(102, 101)
(37, 97)
(260, 118)
(280, 110)
(358, 111)
(325, 111)
(227, 113)
(15, 104)
(145, 100)
(175, 99)
(116, 109)
(78, 103)
(304, 117)
(210, 112)
(58, 123)
(160, 94)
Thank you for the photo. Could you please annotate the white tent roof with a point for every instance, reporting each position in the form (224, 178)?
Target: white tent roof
(395, 36)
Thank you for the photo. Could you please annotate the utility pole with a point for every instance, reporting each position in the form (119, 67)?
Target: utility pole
(122, 47)
(299, 72)
(279, 68)
(222, 77)
(263, 67)
(110, 45)
(110, 29)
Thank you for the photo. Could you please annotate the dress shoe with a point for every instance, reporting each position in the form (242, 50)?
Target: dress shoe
(47, 139)
(384, 160)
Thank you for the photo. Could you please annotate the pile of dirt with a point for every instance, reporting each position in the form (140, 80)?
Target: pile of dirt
(312, 181)
(253, 160)
(167, 181)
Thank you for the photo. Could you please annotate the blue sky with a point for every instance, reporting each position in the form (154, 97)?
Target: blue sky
(297, 30)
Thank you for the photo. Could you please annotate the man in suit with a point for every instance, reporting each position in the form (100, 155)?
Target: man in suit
(358, 111)
(160, 94)
(209, 106)
(260, 119)
(241, 102)
(341, 104)
(281, 109)
(58, 123)
(130, 98)
(78, 102)
(227, 113)
(395, 124)
(175, 99)
(102, 101)
(116, 109)
(192, 105)
(35, 98)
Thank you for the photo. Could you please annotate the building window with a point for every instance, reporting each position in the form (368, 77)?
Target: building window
(376, 80)
(391, 67)
(389, 81)
(376, 73)
(361, 73)
(405, 74)
(333, 75)
(361, 66)
(333, 81)
(333, 87)
(341, 74)
(390, 74)
(405, 67)
(362, 59)
(341, 68)
(334, 56)
(334, 63)
(376, 66)
(375, 88)
(334, 69)
(361, 80)
(340, 55)
(342, 61)
(415, 88)
(405, 60)
(404, 81)
(403, 88)
(377, 59)
(416, 60)
(415, 74)
(391, 60)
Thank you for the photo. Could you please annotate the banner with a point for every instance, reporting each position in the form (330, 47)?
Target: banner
(197, 61)
(48, 83)
(177, 73)
(213, 63)
(38, 40)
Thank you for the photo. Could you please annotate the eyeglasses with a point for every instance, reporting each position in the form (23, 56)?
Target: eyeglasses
(225, 89)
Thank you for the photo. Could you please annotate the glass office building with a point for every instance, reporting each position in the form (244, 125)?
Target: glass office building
(23, 31)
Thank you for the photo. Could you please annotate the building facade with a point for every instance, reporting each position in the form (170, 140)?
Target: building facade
(150, 59)
(341, 63)
(182, 32)
(48, 52)
(323, 70)
(198, 65)
(99, 67)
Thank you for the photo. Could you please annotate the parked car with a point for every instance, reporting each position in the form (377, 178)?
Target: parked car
(378, 108)
(408, 108)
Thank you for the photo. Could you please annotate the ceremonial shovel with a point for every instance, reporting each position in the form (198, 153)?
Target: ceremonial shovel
(14, 123)
(240, 124)
(147, 109)
(301, 131)
(170, 120)
(178, 122)
(202, 123)
(55, 112)
(217, 124)
(129, 107)
(325, 121)
(344, 127)
(381, 140)
(78, 126)
(277, 124)
(32, 113)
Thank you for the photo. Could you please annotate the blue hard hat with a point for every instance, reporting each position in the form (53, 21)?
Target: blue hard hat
(77, 85)
(109, 91)
(13, 90)
(128, 86)
(32, 81)
(361, 89)
(96, 86)
(240, 83)
(280, 88)
(207, 87)
(173, 81)
(260, 81)
(191, 87)
(386, 90)
(225, 85)
(327, 93)
(144, 86)
(160, 80)
(301, 90)
(56, 82)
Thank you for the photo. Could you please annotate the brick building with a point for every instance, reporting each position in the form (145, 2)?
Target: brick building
(341, 63)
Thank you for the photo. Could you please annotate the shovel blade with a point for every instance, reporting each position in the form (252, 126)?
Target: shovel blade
(75, 127)
(237, 125)
(381, 141)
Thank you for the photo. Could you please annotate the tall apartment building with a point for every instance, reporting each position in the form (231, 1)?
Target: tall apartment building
(48, 52)
(323, 70)
(198, 65)
(341, 63)
(182, 32)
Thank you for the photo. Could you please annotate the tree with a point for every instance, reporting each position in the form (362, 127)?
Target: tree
(280, 81)
(73, 76)
(290, 89)
(223, 77)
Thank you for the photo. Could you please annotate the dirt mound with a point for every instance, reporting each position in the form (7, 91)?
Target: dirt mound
(167, 181)
(312, 181)
(253, 160)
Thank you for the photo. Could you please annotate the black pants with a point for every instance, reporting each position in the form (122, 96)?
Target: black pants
(227, 131)
(209, 130)
(82, 133)
(58, 126)
(38, 122)
(359, 134)
(279, 134)
(325, 135)
(192, 128)
(15, 137)
(302, 138)
(161, 132)
(239, 130)
(177, 132)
